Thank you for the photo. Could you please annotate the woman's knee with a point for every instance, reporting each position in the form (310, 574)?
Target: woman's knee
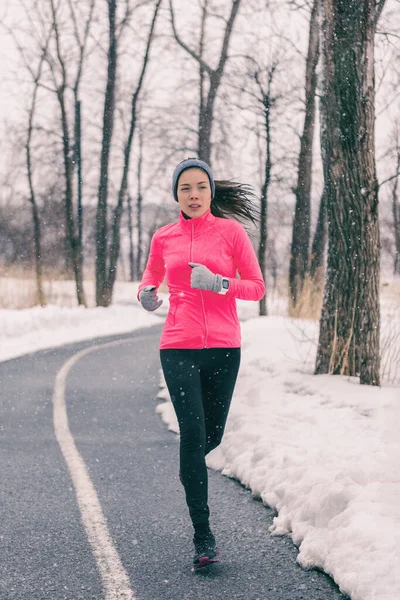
(192, 438)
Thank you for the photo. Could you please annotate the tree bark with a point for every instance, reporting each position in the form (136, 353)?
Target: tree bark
(299, 255)
(350, 320)
(108, 125)
(263, 243)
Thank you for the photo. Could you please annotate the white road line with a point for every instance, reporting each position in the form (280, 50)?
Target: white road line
(115, 580)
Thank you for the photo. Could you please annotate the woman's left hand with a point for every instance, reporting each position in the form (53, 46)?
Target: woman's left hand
(203, 279)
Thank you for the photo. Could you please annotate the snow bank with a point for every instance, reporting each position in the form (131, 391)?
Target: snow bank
(323, 451)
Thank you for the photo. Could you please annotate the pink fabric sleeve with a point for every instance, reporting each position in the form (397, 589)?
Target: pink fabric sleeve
(251, 284)
(155, 268)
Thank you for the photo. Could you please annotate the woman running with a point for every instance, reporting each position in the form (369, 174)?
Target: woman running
(200, 344)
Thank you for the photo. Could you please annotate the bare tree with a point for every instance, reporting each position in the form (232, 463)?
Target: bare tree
(36, 75)
(299, 256)
(266, 100)
(139, 209)
(108, 125)
(105, 285)
(41, 299)
(207, 99)
(350, 319)
(59, 66)
(115, 242)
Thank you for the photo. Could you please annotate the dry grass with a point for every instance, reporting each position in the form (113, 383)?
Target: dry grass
(18, 288)
(309, 305)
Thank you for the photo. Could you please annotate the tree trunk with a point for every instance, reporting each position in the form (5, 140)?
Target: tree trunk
(37, 236)
(139, 210)
(396, 217)
(350, 320)
(203, 148)
(69, 208)
(108, 125)
(130, 233)
(78, 157)
(263, 244)
(117, 215)
(66, 145)
(301, 223)
(41, 298)
(139, 205)
(206, 118)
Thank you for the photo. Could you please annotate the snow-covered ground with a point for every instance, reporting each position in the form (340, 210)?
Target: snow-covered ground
(323, 451)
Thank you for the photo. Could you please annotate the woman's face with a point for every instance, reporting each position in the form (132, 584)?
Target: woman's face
(194, 192)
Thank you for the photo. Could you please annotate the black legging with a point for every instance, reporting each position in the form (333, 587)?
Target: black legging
(200, 384)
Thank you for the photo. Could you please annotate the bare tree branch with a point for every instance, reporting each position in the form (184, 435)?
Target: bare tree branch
(192, 53)
(395, 176)
(228, 31)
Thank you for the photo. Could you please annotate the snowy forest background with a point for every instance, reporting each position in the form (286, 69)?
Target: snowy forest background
(57, 59)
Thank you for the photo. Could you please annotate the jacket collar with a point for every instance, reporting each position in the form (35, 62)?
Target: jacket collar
(197, 223)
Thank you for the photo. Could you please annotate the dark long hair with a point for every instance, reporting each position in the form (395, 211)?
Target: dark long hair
(233, 199)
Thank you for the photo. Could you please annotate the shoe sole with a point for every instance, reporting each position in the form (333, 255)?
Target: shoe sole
(205, 561)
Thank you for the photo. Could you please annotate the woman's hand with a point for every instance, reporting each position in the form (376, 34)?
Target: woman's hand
(203, 279)
(149, 299)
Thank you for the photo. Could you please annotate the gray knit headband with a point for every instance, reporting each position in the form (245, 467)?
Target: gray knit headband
(191, 163)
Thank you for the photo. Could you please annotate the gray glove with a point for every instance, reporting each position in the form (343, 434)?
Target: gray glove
(203, 279)
(149, 299)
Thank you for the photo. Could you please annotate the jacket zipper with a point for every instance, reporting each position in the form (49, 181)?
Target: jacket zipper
(201, 294)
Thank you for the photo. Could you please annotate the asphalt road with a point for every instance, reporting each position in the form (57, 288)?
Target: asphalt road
(132, 460)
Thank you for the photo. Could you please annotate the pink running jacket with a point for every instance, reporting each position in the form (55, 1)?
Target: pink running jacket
(200, 318)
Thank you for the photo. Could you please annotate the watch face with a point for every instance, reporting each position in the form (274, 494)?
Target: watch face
(225, 284)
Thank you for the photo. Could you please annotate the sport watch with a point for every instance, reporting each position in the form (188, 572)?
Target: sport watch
(225, 286)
